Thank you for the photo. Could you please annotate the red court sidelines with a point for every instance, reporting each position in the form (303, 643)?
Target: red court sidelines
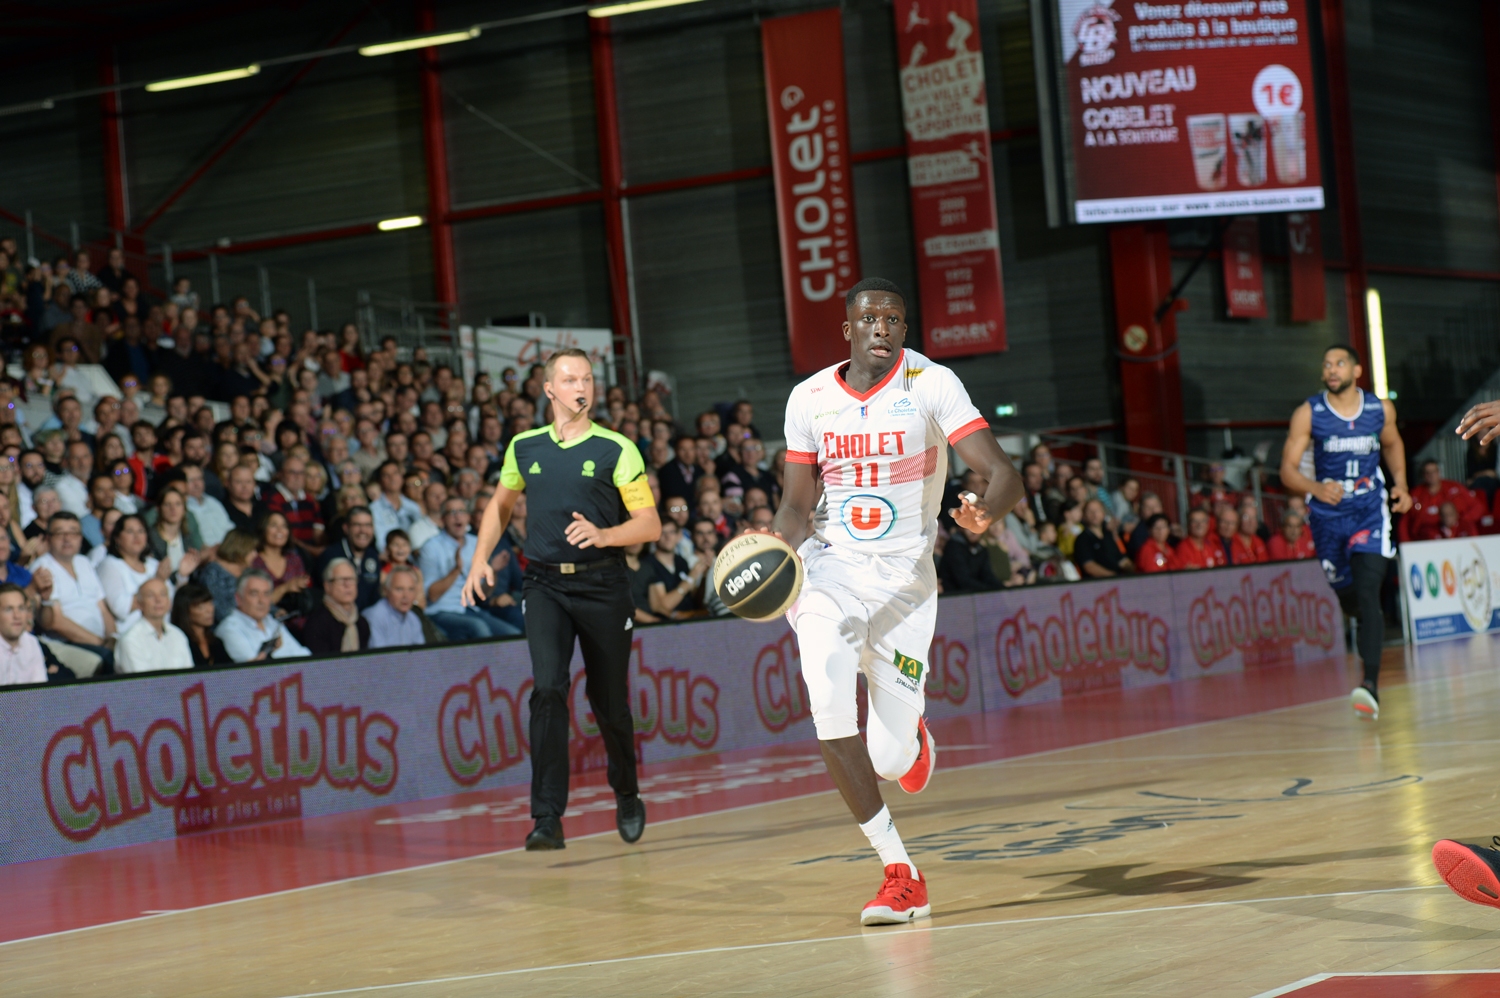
(1453, 984)
(57, 895)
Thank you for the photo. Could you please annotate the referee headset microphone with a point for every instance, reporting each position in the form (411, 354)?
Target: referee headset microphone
(582, 402)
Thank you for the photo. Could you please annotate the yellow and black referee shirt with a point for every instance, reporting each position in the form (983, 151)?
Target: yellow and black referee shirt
(599, 474)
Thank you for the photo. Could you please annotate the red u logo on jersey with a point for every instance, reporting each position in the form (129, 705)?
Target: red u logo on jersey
(868, 517)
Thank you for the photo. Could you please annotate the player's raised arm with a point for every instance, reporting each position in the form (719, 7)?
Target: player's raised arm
(798, 495)
(981, 452)
(1298, 439)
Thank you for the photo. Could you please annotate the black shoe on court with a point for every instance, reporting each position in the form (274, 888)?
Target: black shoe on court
(1366, 705)
(630, 818)
(547, 835)
(1472, 871)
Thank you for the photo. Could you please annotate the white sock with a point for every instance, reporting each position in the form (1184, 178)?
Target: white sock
(881, 831)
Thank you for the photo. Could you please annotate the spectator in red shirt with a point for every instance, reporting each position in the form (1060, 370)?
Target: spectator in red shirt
(1294, 542)
(300, 509)
(1198, 550)
(1452, 524)
(1423, 521)
(1245, 545)
(1156, 553)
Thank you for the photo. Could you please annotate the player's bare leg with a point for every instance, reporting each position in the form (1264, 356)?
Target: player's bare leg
(903, 895)
(849, 765)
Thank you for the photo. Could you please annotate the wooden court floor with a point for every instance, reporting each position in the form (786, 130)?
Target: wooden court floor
(1227, 858)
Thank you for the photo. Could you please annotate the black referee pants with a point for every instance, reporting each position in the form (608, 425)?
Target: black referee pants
(595, 607)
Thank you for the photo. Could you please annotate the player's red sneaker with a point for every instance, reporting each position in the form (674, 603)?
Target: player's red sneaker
(901, 899)
(1470, 870)
(916, 778)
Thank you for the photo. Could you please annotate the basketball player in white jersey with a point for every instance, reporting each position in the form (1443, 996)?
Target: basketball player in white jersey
(1473, 871)
(875, 432)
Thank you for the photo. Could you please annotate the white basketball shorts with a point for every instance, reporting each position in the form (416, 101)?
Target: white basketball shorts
(865, 613)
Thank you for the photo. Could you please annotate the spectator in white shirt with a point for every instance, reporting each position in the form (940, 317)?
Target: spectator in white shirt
(429, 524)
(213, 518)
(129, 564)
(73, 487)
(21, 658)
(250, 633)
(394, 621)
(392, 510)
(153, 643)
(77, 613)
(68, 355)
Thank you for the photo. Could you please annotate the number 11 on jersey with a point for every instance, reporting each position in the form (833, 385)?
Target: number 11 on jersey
(860, 472)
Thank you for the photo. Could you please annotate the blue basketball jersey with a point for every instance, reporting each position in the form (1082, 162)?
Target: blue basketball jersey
(1348, 450)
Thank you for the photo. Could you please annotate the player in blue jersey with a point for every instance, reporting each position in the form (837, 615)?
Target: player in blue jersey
(1349, 502)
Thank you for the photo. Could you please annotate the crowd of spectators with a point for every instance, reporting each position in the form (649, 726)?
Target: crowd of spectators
(191, 486)
(1442, 509)
(1072, 526)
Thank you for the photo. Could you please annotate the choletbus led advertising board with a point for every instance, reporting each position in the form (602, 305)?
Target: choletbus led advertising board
(1172, 110)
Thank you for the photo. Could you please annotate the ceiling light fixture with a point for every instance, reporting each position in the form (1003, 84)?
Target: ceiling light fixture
(404, 222)
(205, 78)
(40, 105)
(1376, 324)
(422, 42)
(615, 9)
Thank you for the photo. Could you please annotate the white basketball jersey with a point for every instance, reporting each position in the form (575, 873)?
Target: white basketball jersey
(882, 454)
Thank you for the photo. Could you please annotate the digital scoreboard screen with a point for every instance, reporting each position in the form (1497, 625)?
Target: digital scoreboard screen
(1173, 110)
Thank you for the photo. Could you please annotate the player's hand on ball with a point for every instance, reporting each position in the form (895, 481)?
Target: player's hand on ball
(481, 577)
(972, 513)
(1400, 499)
(583, 534)
(1328, 491)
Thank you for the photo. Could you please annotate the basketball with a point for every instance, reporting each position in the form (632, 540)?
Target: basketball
(758, 576)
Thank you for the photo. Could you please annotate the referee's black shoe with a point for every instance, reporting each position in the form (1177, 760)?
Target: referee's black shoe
(630, 817)
(547, 835)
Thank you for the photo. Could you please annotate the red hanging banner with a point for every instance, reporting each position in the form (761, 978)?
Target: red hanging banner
(1244, 282)
(1304, 241)
(804, 59)
(952, 183)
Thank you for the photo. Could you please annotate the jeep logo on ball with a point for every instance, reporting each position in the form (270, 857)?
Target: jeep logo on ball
(738, 582)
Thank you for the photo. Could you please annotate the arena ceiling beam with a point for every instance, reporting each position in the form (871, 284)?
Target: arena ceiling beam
(243, 130)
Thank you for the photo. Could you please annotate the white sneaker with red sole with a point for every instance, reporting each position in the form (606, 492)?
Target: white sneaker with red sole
(917, 777)
(901, 899)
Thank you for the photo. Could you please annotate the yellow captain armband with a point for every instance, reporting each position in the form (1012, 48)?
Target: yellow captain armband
(637, 494)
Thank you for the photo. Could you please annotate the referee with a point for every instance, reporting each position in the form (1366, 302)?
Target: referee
(587, 499)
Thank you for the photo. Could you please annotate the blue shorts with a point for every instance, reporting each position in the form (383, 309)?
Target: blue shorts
(1351, 527)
